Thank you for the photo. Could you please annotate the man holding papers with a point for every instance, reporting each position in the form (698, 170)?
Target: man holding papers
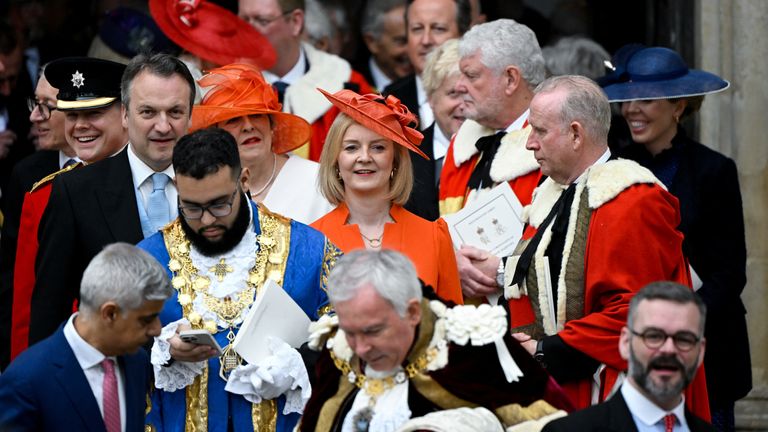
(219, 253)
(598, 231)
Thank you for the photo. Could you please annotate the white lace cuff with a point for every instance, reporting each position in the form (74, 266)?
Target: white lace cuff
(179, 374)
(281, 373)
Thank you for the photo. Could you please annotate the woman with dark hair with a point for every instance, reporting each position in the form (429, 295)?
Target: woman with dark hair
(656, 91)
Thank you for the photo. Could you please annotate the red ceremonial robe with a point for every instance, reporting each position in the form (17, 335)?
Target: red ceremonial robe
(512, 163)
(32, 210)
(632, 240)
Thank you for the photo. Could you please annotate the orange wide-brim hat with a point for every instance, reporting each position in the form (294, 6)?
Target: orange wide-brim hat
(387, 117)
(237, 90)
(212, 33)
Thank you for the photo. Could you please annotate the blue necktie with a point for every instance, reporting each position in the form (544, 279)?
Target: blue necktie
(69, 162)
(158, 210)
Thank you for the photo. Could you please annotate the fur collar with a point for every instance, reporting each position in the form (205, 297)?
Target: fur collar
(604, 182)
(326, 71)
(512, 160)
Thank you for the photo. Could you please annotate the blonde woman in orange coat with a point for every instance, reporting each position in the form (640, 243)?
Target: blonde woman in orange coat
(365, 170)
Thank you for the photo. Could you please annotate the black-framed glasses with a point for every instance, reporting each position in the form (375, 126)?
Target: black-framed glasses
(654, 338)
(218, 210)
(44, 109)
(265, 21)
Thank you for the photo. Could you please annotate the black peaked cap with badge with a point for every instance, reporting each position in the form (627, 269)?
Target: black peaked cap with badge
(84, 82)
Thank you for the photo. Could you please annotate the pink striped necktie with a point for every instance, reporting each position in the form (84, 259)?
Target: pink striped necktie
(111, 399)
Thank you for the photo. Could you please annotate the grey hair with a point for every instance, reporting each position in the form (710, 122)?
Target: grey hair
(576, 55)
(506, 42)
(317, 22)
(585, 102)
(125, 274)
(441, 63)
(372, 22)
(390, 273)
(668, 291)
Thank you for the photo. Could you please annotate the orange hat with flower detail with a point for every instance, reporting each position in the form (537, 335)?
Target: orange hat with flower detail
(387, 117)
(237, 90)
(212, 32)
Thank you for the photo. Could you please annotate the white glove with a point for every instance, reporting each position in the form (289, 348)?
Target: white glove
(281, 373)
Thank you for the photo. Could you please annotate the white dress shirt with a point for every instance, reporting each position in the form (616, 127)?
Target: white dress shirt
(648, 416)
(380, 79)
(90, 360)
(426, 116)
(296, 72)
(142, 180)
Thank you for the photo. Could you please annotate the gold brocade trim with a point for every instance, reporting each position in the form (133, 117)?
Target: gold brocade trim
(437, 394)
(450, 205)
(197, 404)
(49, 178)
(264, 416)
(325, 310)
(513, 414)
(271, 257)
(331, 254)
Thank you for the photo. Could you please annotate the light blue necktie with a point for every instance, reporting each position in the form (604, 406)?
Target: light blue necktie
(158, 210)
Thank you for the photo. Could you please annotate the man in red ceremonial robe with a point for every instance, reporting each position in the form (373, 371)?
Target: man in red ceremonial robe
(598, 231)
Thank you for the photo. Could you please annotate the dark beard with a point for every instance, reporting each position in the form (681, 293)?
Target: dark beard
(663, 391)
(231, 237)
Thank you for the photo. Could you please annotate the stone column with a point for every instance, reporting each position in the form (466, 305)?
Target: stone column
(732, 41)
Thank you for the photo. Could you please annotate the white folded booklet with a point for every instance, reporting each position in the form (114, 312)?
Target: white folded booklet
(273, 313)
(492, 223)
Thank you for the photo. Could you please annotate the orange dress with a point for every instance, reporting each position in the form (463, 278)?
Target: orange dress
(427, 244)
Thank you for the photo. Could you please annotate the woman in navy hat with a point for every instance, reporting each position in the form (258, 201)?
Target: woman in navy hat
(657, 90)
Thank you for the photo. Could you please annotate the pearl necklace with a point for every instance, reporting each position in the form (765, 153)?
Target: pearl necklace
(271, 177)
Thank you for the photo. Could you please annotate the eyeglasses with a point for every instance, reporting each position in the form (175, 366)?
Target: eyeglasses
(265, 21)
(194, 212)
(44, 109)
(654, 338)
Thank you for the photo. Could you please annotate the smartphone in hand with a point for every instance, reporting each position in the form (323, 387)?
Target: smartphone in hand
(200, 337)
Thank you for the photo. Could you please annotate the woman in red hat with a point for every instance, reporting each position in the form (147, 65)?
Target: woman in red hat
(366, 171)
(657, 90)
(238, 100)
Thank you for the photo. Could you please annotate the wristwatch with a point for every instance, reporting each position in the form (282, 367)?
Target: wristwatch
(539, 354)
(500, 274)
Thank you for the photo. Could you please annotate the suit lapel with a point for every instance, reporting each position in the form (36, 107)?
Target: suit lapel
(72, 380)
(133, 389)
(117, 200)
(620, 418)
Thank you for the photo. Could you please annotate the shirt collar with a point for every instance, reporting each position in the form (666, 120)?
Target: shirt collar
(86, 354)
(519, 123)
(421, 94)
(646, 411)
(601, 160)
(293, 75)
(141, 171)
(380, 79)
(440, 143)
(64, 158)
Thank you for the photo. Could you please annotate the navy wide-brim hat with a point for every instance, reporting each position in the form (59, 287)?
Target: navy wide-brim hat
(84, 82)
(660, 73)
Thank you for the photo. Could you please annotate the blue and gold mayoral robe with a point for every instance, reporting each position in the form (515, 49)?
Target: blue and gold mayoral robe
(295, 256)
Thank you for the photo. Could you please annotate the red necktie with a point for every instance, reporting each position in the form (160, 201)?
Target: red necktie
(111, 399)
(669, 422)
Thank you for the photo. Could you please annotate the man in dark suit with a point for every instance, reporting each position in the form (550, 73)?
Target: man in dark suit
(429, 23)
(663, 343)
(92, 375)
(440, 76)
(123, 198)
(383, 28)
